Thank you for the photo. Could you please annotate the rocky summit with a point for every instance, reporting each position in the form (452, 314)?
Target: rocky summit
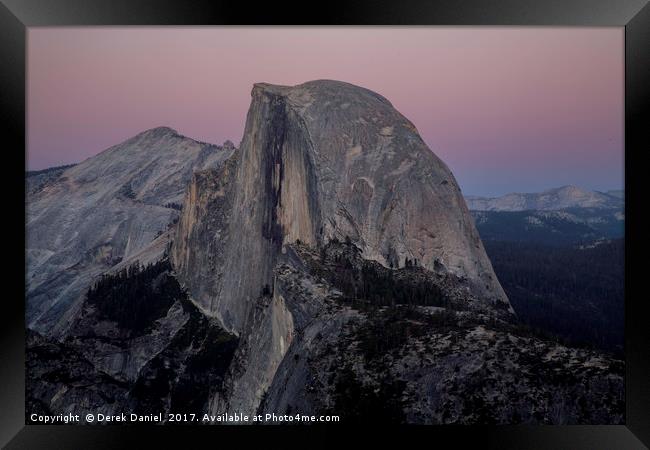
(329, 265)
(319, 161)
(84, 219)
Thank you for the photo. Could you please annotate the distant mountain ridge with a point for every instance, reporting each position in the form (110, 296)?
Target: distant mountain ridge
(618, 193)
(550, 200)
(560, 216)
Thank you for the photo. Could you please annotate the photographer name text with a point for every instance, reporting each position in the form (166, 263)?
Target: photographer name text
(179, 418)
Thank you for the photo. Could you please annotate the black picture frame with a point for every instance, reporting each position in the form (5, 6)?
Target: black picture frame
(17, 15)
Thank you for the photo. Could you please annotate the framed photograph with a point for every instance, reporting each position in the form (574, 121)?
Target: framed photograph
(400, 220)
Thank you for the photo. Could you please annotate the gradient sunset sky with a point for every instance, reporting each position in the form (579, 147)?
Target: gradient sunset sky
(508, 109)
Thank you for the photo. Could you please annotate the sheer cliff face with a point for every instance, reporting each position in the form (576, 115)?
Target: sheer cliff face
(334, 324)
(104, 210)
(318, 161)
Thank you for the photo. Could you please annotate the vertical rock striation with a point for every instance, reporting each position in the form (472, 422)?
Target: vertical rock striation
(320, 161)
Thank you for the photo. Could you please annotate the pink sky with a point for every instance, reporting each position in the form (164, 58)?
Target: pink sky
(507, 108)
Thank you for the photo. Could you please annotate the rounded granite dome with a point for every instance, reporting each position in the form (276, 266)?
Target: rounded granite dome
(323, 161)
(323, 90)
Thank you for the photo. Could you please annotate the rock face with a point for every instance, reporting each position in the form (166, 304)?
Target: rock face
(138, 345)
(423, 359)
(86, 218)
(553, 199)
(319, 161)
(37, 178)
(339, 335)
(328, 266)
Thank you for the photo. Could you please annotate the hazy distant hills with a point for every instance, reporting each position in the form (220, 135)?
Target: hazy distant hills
(550, 200)
(619, 193)
(558, 216)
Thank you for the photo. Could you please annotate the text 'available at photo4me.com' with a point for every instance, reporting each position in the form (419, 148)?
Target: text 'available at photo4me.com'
(225, 418)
